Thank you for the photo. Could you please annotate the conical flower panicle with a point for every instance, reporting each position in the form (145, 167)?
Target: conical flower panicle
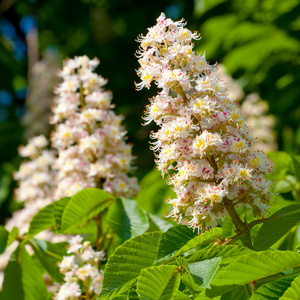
(88, 135)
(203, 144)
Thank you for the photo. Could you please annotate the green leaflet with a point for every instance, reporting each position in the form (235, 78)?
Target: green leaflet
(158, 283)
(42, 220)
(127, 219)
(125, 264)
(180, 239)
(58, 212)
(23, 278)
(83, 206)
(227, 252)
(272, 290)
(3, 239)
(49, 255)
(296, 162)
(293, 292)
(256, 266)
(286, 219)
(205, 270)
(12, 235)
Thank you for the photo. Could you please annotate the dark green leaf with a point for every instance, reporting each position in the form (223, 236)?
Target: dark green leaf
(3, 239)
(23, 278)
(296, 163)
(272, 290)
(180, 238)
(49, 258)
(293, 292)
(272, 230)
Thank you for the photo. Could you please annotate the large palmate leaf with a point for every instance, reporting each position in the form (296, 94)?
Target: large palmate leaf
(125, 264)
(83, 206)
(158, 283)
(23, 278)
(284, 220)
(273, 290)
(293, 292)
(227, 252)
(127, 219)
(253, 267)
(180, 239)
(42, 220)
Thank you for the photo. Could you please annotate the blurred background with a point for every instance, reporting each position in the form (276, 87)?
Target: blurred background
(257, 41)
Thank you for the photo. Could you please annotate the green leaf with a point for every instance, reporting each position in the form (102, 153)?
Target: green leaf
(205, 270)
(283, 186)
(49, 255)
(83, 206)
(239, 293)
(59, 210)
(3, 239)
(12, 284)
(296, 163)
(161, 224)
(272, 230)
(125, 264)
(182, 296)
(127, 219)
(42, 220)
(153, 192)
(293, 292)
(12, 235)
(255, 266)
(23, 279)
(180, 239)
(272, 290)
(227, 252)
(158, 283)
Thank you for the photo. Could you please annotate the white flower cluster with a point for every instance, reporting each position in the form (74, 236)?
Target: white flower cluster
(203, 143)
(88, 135)
(35, 182)
(81, 271)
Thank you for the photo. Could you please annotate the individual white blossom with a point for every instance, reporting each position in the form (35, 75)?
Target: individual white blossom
(203, 144)
(81, 271)
(88, 135)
